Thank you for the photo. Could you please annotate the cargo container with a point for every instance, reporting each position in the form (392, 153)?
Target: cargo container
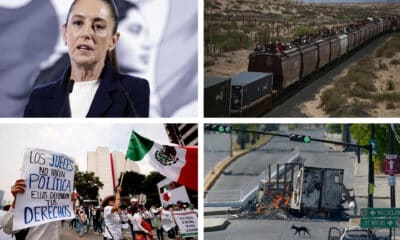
(217, 97)
(248, 87)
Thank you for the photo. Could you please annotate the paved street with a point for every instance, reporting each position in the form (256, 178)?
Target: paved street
(313, 154)
(69, 234)
(248, 167)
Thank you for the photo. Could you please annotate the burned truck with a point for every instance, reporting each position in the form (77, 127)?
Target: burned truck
(305, 190)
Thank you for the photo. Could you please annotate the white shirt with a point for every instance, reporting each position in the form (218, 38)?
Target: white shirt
(167, 220)
(3, 235)
(49, 230)
(82, 97)
(112, 223)
(136, 221)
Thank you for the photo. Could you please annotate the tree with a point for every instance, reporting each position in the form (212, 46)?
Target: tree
(150, 187)
(362, 134)
(87, 184)
(132, 184)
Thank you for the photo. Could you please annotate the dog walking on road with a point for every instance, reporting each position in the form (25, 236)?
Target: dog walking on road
(298, 230)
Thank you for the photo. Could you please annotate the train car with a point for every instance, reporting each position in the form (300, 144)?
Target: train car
(285, 67)
(335, 49)
(351, 40)
(381, 26)
(251, 93)
(247, 87)
(363, 34)
(357, 39)
(324, 52)
(344, 43)
(309, 60)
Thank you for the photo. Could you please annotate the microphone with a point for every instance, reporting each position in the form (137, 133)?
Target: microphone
(130, 102)
(70, 87)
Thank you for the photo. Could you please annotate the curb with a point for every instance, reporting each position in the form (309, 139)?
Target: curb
(221, 211)
(217, 227)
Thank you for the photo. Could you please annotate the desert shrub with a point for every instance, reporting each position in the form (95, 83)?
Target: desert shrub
(390, 85)
(332, 100)
(390, 105)
(355, 109)
(386, 96)
(395, 62)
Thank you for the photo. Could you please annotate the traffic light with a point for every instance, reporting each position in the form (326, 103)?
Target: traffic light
(299, 138)
(218, 128)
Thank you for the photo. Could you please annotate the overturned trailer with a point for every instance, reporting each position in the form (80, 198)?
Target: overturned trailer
(305, 190)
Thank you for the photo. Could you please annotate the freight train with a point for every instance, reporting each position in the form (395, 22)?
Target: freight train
(288, 69)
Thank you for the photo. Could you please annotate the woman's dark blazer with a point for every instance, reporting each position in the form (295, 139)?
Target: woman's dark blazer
(118, 95)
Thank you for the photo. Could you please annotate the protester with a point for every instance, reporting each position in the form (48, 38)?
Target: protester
(97, 221)
(156, 222)
(112, 219)
(3, 235)
(139, 232)
(49, 230)
(82, 222)
(168, 222)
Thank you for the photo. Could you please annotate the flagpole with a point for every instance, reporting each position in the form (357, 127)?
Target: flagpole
(123, 173)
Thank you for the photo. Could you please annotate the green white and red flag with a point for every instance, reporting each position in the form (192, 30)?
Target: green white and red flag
(178, 163)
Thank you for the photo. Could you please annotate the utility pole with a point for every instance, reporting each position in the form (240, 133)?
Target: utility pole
(371, 177)
(230, 139)
(392, 188)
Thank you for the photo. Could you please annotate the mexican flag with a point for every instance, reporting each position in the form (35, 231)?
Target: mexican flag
(178, 163)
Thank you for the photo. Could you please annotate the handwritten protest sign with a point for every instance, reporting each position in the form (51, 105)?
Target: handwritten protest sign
(187, 223)
(49, 179)
(171, 192)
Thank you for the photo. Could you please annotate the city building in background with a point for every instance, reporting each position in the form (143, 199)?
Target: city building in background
(108, 166)
(182, 134)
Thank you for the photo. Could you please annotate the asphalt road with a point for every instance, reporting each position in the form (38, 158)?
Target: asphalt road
(291, 106)
(248, 167)
(315, 154)
(272, 229)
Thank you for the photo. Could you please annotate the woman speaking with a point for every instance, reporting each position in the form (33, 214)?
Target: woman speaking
(91, 86)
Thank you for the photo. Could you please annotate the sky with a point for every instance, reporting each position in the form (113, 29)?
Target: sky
(71, 139)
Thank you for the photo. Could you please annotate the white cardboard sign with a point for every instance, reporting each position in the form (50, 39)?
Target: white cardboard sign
(49, 179)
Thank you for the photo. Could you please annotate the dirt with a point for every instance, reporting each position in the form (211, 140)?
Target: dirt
(313, 109)
(228, 63)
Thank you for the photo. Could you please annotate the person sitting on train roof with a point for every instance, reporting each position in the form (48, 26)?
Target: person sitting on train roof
(258, 48)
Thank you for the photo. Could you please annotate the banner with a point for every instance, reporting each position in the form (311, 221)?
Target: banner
(187, 223)
(49, 179)
(171, 192)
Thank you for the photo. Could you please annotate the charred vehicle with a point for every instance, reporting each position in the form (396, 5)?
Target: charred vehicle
(306, 190)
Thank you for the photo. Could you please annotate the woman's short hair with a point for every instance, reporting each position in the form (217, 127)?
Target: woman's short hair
(107, 200)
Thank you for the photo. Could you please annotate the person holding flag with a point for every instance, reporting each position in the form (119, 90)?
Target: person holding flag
(112, 219)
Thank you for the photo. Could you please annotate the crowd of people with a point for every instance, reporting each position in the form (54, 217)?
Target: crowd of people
(111, 220)
(278, 47)
(141, 221)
